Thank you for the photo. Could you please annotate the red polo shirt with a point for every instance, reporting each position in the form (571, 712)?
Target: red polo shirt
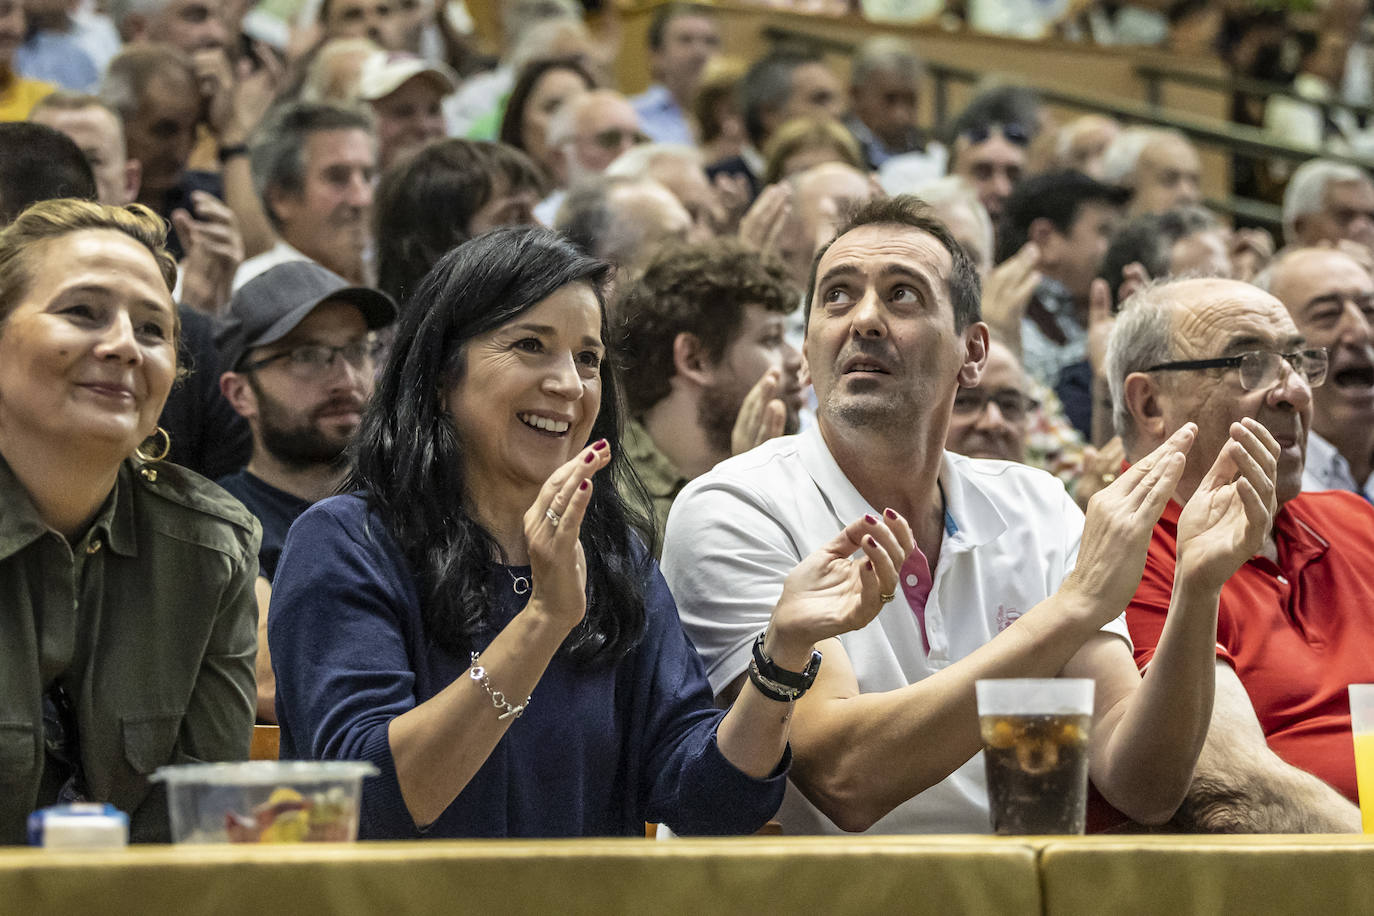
(1296, 632)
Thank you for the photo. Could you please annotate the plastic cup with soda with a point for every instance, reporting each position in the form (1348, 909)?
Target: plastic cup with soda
(1035, 748)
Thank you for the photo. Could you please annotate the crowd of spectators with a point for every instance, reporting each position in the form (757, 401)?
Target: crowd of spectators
(357, 384)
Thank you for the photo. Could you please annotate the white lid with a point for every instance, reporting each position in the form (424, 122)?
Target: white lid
(265, 772)
(84, 831)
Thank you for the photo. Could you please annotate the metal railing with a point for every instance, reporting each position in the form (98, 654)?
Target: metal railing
(1155, 77)
(1236, 139)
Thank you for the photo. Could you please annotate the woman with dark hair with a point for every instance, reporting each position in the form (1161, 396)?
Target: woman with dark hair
(540, 89)
(442, 196)
(480, 618)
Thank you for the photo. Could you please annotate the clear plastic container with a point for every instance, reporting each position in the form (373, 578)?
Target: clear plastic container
(265, 801)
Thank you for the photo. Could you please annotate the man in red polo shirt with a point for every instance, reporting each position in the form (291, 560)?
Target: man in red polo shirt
(1296, 622)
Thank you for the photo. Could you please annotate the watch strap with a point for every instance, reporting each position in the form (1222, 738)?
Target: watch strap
(771, 671)
(229, 152)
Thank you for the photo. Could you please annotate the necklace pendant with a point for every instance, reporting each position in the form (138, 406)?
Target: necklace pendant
(520, 584)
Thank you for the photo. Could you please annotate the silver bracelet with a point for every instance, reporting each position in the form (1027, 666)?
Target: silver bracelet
(498, 699)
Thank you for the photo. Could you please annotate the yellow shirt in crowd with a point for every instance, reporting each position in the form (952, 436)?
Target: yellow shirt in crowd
(18, 97)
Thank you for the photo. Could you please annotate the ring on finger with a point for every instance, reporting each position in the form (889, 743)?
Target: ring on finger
(553, 517)
(885, 598)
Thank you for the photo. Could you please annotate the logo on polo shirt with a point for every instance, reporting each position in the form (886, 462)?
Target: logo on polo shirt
(1006, 616)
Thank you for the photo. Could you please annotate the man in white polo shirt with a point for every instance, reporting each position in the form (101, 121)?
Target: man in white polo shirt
(1022, 586)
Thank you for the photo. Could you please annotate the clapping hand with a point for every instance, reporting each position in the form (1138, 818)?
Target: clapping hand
(762, 226)
(762, 416)
(834, 591)
(1225, 521)
(214, 251)
(1251, 250)
(733, 194)
(1100, 467)
(237, 94)
(1100, 324)
(1008, 291)
(1119, 524)
(558, 566)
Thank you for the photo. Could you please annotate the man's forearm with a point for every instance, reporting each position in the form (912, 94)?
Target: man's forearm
(1154, 745)
(1241, 786)
(845, 742)
(239, 194)
(1268, 796)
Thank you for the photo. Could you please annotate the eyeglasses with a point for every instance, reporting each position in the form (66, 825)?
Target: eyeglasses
(313, 360)
(1011, 404)
(1261, 368)
(1015, 133)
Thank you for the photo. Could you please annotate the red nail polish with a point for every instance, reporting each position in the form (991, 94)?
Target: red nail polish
(583, 485)
(599, 444)
(589, 459)
(871, 542)
(869, 564)
(890, 514)
(870, 519)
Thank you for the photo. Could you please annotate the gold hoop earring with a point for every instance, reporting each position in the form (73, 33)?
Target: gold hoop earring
(151, 457)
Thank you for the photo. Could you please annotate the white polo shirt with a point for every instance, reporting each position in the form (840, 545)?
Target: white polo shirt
(1011, 536)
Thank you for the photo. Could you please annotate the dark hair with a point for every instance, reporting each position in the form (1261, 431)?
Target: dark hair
(695, 289)
(665, 14)
(1058, 197)
(513, 120)
(1149, 239)
(39, 163)
(766, 87)
(997, 107)
(965, 290)
(277, 150)
(425, 203)
(409, 459)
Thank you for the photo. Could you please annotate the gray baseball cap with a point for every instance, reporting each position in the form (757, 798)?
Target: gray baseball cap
(269, 306)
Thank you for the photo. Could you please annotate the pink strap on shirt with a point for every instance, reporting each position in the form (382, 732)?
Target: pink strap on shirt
(915, 580)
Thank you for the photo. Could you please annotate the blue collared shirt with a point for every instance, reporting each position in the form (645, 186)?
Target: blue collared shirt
(56, 57)
(661, 118)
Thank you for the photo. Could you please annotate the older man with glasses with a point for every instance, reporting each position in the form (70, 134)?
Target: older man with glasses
(992, 420)
(1331, 298)
(588, 134)
(301, 349)
(1295, 622)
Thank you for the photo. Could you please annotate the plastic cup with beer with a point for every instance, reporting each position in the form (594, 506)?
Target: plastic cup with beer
(1035, 749)
(1362, 728)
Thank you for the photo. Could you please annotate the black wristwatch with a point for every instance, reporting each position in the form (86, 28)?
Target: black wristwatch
(779, 683)
(229, 152)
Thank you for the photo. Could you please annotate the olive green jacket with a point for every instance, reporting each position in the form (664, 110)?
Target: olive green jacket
(150, 624)
(661, 478)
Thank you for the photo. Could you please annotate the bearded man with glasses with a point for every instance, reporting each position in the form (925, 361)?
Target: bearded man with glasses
(1294, 623)
(301, 347)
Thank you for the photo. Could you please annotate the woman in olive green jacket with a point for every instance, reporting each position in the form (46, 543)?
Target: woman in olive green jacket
(127, 617)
